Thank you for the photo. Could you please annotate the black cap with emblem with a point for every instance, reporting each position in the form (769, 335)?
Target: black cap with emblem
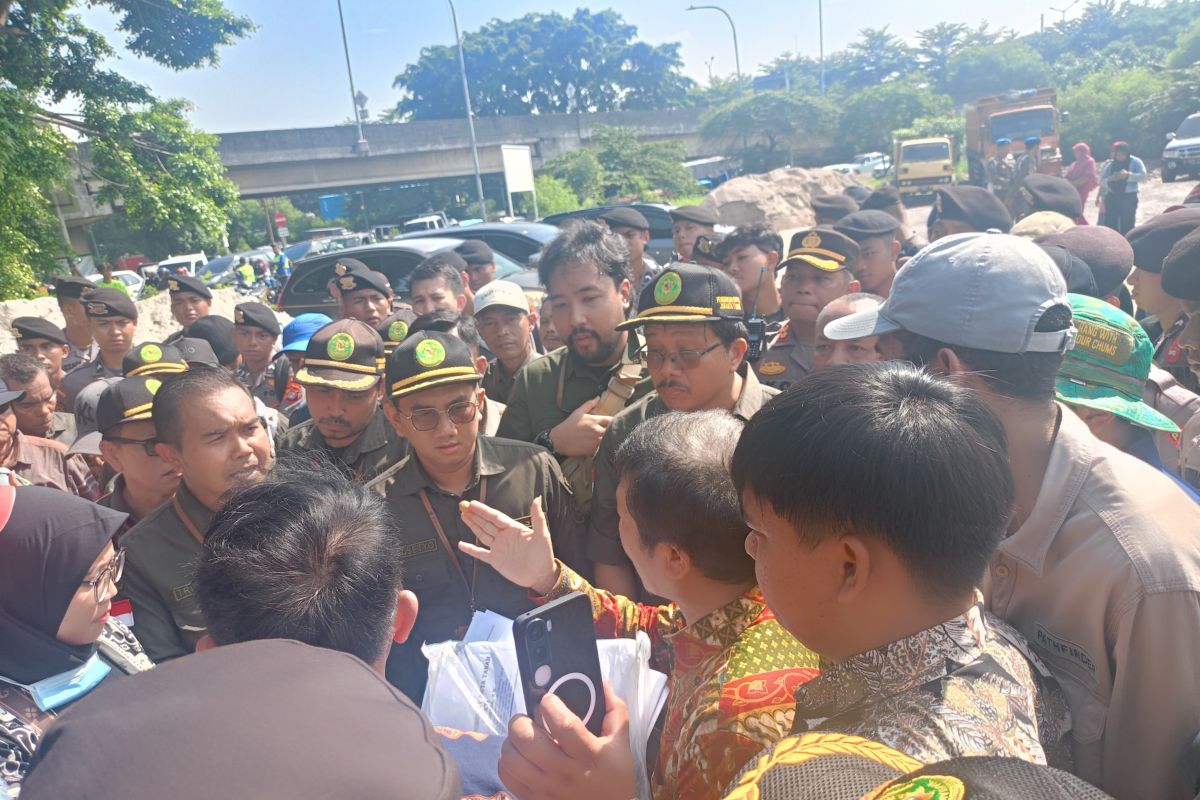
(360, 281)
(346, 354)
(72, 287)
(1181, 268)
(427, 359)
(833, 207)
(395, 328)
(176, 284)
(688, 293)
(696, 214)
(823, 248)
(37, 328)
(867, 224)
(475, 252)
(153, 358)
(197, 352)
(881, 198)
(707, 249)
(127, 400)
(256, 315)
(973, 205)
(109, 303)
(1051, 193)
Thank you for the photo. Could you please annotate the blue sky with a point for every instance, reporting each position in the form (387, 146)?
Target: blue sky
(291, 72)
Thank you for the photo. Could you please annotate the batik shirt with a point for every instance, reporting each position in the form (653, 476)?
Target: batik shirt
(732, 675)
(967, 687)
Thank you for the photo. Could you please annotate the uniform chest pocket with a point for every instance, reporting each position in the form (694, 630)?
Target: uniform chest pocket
(425, 571)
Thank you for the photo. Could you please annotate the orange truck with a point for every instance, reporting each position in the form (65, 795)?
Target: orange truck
(1016, 115)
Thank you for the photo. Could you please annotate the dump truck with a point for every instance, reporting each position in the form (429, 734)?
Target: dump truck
(922, 166)
(1016, 115)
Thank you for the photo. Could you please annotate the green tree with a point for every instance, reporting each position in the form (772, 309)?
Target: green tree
(765, 129)
(553, 197)
(545, 63)
(870, 116)
(1160, 107)
(581, 172)
(978, 71)
(937, 45)
(876, 56)
(1187, 50)
(1099, 111)
(642, 170)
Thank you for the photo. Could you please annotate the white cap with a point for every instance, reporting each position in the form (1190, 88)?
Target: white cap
(986, 291)
(501, 293)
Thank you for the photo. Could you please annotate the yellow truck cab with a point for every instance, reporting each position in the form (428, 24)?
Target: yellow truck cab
(923, 165)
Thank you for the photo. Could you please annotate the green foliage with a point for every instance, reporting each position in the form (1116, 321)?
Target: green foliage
(554, 196)
(640, 169)
(1098, 111)
(870, 116)
(1158, 111)
(764, 129)
(579, 171)
(978, 71)
(545, 63)
(1187, 50)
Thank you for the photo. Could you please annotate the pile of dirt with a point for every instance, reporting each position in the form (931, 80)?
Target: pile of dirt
(781, 197)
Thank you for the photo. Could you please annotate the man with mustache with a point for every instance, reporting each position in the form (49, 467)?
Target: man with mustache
(341, 380)
(696, 340)
(565, 400)
(207, 429)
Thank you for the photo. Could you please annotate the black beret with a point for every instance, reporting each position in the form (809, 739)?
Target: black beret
(109, 303)
(256, 315)
(858, 193)
(218, 332)
(37, 328)
(1107, 252)
(625, 217)
(973, 205)
(707, 249)
(474, 251)
(344, 266)
(1181, 268)
(72, 286)
(834, 206)
(186, 283)
(1152, 240)
(696, 214)
(447, 257)
(1051, 193)
(1074, 269)
(865, 224)
(359, 281)
(881, 198)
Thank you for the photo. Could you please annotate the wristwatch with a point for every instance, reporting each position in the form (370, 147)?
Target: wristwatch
(544, 440)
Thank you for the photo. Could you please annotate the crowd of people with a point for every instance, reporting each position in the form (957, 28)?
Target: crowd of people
(904, 514)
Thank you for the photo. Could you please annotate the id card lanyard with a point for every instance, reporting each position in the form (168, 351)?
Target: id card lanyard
(437, 526)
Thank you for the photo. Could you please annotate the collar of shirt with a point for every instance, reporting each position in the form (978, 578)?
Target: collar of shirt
(197, 513)
(412, 478)
(24, 451)
(895, 668)
(601, 374)
(717, 630)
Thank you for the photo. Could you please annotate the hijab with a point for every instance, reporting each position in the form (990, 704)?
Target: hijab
(1083, 166)
(47, 547)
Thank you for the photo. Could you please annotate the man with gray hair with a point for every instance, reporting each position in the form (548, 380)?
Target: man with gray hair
(35, 410)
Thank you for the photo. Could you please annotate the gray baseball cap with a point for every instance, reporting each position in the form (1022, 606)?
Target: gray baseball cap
(981, 290)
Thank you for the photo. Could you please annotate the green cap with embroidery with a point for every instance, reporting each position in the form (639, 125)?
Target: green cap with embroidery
(427, 359)
(1108, 367)
(346, 354)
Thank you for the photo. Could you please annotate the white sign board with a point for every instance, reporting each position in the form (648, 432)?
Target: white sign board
(283, 231)
(518, 167)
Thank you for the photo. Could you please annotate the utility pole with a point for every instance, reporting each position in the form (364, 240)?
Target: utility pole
(462, 68)
(361, 145)
(737, 57)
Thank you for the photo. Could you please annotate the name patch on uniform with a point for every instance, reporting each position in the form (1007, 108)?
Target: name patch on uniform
(419, 548)
(771, 368)
(181, 593)
(1058, 647)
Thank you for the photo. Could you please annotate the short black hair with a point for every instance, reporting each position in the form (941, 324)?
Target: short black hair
(588, 242)
(19, 369)
(281, 561)
(728, 331)
(170, 401)
(445, 321)
(887, 450)
(759, 234)
(1029, 377)
(435, 267)
(685, 457)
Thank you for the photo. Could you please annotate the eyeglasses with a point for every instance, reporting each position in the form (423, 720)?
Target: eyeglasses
(426, 419)
(109, 572)
(146, 444)
(688, 359)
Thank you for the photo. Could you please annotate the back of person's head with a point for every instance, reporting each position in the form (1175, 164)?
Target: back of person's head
(586, 242)
(886, 450)
(445, 321)
(443, 266)
(218, 332)
(306, 554)
(685, 457)
(759, 234)
(19, 369)
(171, 400)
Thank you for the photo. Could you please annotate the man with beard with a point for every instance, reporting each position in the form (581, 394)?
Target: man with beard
(207, 429)
(696, 341)
(566, 400)
(341, 380)
(112, 317)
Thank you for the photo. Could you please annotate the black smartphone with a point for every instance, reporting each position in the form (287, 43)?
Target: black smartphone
(556, 653)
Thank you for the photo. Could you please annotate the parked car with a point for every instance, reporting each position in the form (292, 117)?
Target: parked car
(189, 263)
(870, 165)
(133, 282)
(1182, 153)
(661, 246)
(431, 222)
(520, 241)
(307, 290)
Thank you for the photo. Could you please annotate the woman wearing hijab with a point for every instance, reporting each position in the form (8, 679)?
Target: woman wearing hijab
(58, 575)
(1082, 172)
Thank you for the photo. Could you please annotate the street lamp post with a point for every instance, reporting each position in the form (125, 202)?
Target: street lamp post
(361, 145)
(737, 57)
(821, 41)
(462, 68)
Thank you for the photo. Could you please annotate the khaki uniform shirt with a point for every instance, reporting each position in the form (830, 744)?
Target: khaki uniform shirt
(161, 553)
(449, 584)
(77, 355)
(498, 383)
(548, 389)
(115, 500)
(376, 449)
(786, 361)
(43, 462)
(603, 537)
(1103, 579)
(62, 428)
(74, 381)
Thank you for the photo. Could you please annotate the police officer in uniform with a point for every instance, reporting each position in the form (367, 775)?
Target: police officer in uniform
(45, 341)
(341, 379)
(113, 320)
(828, 209)
(432, 399)
(68, 292)
(255, 329)
(887, 199)
(1181, 279)
(366, 295)
(190, 300)
(688, 222)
